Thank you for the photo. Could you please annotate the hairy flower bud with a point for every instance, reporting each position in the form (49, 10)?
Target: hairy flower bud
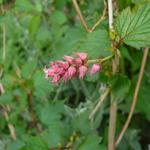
(95, 68)
(78, 62)
(55, 79)
(82, 71)
(69, 59)
(71, 71)
(49, 73)
(82, 56)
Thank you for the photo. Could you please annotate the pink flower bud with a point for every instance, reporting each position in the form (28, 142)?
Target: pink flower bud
(66, 76)
(95, 68)
(78, 62)
(82, 56)
(71, 71)
(54, 67)
(61, 64)
(55, 79)
(82, 71)
(61, 72)
(48, 73)
(69, 59)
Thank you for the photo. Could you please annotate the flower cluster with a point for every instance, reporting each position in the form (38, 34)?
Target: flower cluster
(76, 66)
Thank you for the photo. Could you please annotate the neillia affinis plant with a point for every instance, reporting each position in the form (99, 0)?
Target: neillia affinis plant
(93, 53)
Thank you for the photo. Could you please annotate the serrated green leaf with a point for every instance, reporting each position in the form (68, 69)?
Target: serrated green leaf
(120, 85)
(130, 141)
(96, 44)
(133, 27)
(34, 143)
(91, 142)
(41, 86)
(81, 123)
(51, 113)
(54, 135)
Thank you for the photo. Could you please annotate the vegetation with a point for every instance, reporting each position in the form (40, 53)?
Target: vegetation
(81, 114)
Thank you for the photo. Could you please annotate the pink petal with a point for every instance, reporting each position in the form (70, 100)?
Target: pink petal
(82, 71)
(95, 68)
(82, 56)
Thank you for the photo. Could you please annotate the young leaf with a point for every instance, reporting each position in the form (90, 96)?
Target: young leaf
(133, 27)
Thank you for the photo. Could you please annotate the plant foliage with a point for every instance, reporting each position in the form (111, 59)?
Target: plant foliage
(48, 117)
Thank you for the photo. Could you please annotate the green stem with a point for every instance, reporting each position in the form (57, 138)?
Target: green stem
(99, 61)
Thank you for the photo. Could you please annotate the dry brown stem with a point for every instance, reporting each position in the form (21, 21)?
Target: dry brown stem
(82, 18)
(134, 101)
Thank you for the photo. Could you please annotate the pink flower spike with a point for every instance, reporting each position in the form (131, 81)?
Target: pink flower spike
(69, 59)
(82, 56)
(82, 71)
(95, 68)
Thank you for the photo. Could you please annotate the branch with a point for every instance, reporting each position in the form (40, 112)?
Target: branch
(113, 107)
(82, 19)
(112, 124)
(134, 101)
(6, 109)
(5, 113)
(101, 100)
(102, 17)
(80, 15)
(110, 14)
(113, 111)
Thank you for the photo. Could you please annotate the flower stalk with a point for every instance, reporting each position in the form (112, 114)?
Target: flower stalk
(100, 61)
